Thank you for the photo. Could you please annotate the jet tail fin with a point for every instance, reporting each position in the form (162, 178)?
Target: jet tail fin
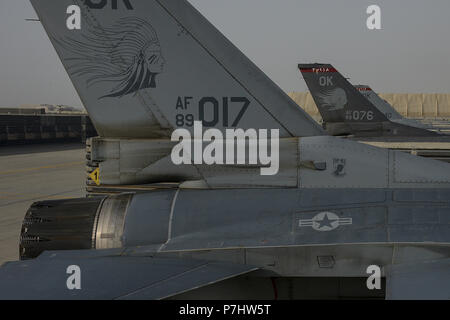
(110, 274)
(424, 280)
(146, 67)
(336, 98)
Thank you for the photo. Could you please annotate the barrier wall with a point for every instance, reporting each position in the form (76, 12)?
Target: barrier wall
(412, 105)
(31, 126)
(16, 128)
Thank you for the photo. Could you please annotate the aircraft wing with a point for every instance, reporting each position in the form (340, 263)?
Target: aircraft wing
(429, 280)
(109, 277)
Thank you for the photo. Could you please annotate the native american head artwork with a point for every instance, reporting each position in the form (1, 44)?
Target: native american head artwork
(127, 55)
(334, 99)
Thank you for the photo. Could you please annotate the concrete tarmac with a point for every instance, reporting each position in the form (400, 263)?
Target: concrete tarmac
(30, 173)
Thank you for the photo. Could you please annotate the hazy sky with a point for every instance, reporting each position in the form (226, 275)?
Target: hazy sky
(410, 54)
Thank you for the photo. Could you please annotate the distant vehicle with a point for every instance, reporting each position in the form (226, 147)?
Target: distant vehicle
(356, 110)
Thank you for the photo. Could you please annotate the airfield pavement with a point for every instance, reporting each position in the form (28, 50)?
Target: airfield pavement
(30, 173)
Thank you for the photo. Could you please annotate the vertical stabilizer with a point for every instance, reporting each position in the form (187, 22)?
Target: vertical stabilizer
(146, 67)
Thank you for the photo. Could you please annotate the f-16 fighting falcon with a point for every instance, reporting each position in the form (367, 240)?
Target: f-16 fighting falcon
(334, 209)
(357, 110)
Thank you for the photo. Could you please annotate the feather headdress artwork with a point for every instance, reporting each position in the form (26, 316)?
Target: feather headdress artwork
(127, 54)
(334, 99)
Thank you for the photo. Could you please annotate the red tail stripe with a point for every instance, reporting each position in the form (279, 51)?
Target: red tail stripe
(318, 70)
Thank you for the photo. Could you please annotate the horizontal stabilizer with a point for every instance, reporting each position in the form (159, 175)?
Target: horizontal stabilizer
(382, 105)
(109, 277)
(387, 109)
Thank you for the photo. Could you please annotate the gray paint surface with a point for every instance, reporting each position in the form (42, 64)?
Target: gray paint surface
(358, 230)
(140, 161)
(388, 110)
(109, 277)
(32, 74)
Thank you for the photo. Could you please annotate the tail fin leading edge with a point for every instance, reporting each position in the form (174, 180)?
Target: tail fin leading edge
(145, 67)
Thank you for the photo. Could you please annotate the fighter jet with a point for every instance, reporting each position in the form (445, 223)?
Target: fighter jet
(335, 210)
(356, 111)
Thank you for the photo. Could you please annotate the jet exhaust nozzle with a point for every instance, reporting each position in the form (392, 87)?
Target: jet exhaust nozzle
(73, 224)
